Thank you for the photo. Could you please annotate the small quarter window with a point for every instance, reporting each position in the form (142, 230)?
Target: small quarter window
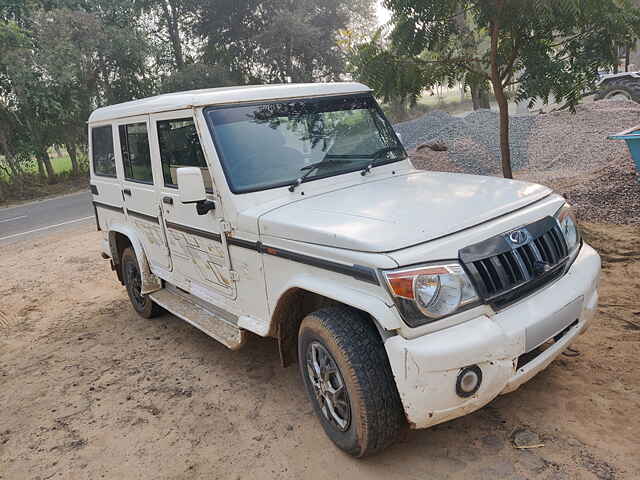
(104, 163)
(180, 147)
(136, 159)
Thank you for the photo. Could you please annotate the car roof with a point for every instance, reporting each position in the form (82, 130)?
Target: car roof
(223, 95)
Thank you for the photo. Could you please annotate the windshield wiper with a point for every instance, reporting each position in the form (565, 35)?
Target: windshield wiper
(376, 155)
(312, 167)
(344, 159)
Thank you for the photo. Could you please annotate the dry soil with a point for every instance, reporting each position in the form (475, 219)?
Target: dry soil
(89, 390)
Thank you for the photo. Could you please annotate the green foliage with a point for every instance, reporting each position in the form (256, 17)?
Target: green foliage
(61, 59)
(196, 76)
(539, 47)
(276, 40)
(544, 47)
(396, 78)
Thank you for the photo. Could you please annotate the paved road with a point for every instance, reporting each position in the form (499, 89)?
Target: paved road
(45, 216)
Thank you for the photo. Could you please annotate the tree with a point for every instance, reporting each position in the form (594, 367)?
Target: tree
(62, 59)
(195, 76)
(172, 24)
(542, 48)
(60, 64)
(278, 40)
(26, 95)
(397, 79)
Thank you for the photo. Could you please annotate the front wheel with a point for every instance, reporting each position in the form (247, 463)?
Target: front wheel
(347, 375)
(142, 304)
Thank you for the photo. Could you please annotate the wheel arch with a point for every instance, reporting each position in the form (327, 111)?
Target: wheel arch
(121, 237)
(308, 294)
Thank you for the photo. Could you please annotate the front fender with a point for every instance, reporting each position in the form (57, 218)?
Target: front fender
(150, 282)
(385, 315)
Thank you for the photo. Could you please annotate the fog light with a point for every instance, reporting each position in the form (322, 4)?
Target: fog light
(469, 380)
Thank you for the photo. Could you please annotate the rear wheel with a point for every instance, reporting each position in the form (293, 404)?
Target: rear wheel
(142, 304)
(347, 375)
(620, 89)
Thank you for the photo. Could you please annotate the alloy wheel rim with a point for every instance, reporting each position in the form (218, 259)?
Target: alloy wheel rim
(135, 282)
(328, 386)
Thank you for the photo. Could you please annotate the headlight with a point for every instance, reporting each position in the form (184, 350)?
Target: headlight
(569, 226)
(425, 294)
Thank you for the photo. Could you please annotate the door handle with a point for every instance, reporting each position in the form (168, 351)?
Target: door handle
(167, 200)
(126, 191)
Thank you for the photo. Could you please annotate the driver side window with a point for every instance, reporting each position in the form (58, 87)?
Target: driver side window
(180, 147)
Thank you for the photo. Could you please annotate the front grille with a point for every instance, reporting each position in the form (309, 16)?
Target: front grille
(503, 270)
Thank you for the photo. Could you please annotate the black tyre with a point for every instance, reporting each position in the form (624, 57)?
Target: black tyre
(347, 375)
(142, 304)
(620, 88)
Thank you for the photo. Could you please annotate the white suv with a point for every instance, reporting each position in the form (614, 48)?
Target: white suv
(406, 297)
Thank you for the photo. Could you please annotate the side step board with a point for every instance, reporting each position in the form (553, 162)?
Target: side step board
(211, 322)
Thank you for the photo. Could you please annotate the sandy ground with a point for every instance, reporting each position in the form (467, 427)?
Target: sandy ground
(90, 390)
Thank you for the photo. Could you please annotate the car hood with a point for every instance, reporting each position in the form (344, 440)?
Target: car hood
(399, 211)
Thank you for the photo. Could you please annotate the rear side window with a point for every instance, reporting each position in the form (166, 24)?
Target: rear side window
(104, 163)
(136, 159)
(180, 147)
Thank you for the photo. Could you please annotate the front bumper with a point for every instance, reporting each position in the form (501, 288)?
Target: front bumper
(426, 368)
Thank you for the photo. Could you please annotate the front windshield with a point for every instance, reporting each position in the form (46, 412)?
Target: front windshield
(275, 144)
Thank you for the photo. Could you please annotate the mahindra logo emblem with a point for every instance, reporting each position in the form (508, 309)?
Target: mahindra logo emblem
(518, 237)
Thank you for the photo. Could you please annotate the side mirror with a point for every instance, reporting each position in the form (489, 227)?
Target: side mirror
(191, 189)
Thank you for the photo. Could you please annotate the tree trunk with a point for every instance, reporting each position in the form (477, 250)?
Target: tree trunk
(480, 96)
(14, 167)
(46, 161)
(73, 155)
(398, 108)
(173, 27)
(501, 98)
(627, 58)
(41, 172)
(485, 97)
(475, 96)
(505, 149)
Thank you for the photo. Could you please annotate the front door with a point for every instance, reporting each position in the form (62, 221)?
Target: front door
(197, 243)
(139, 189)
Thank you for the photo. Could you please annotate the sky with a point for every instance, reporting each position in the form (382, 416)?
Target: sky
(382, 13)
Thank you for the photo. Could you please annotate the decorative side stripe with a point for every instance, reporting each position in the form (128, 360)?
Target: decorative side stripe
(194, 231)
(248, 244)
(108, 207)
(142, 216)
(358, 272)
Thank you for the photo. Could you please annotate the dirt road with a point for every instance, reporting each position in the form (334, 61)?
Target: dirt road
(89, 390)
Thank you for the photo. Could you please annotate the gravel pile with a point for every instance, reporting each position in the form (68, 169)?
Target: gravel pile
(480, 128)
(413, 130)
(565, 143)
(473, 156)
(610, 194)
(435, 161)
(570, 153)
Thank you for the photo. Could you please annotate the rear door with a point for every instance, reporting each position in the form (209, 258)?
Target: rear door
(106, 188)
(197, 243)
(139, 191)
